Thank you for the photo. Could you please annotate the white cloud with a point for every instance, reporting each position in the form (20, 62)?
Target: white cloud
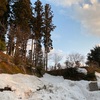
(54, 51)
(97, 45)
(86, 6)
(59, 53)
(65, 2)
(94, 1)
(85, 11)
(89, 16)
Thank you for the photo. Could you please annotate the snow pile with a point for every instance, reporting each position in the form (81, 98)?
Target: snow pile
(22, 86)
(98, 78)
(26, 87)
(82, 70)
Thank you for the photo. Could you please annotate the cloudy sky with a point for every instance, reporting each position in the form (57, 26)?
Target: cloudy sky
(77, 25)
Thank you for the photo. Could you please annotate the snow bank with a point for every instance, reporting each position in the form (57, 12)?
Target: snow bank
(82, 70)
(26, 87)
(22, 86)
(98, 78)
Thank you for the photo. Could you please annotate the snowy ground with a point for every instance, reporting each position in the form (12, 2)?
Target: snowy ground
(49, 87)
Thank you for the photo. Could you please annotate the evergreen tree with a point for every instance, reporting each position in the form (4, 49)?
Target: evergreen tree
(22, 12)
(2, 46)
(48, 27)
(20, 24)
(11, 28)
(3, 10)
(94, 56)
(38, 31)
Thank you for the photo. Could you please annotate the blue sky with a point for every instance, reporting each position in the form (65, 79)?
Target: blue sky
(77, 25)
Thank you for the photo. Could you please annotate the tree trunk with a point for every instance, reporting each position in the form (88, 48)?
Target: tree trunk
(46, 61)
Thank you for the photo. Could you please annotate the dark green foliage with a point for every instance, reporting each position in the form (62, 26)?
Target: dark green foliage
(21, 22)
(94, 56)
(37, 29)
(68, 73)
(3, 10)
(90, 76)
(11, 43)
(38, 21)
(2, 46)
(22, 13)
(40, 71)
(73, 74)
(48, 27)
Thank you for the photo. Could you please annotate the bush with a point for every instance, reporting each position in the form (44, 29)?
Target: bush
(2, 46)
(40, 71)
(73, 74)
(68, 73)
(90, 77)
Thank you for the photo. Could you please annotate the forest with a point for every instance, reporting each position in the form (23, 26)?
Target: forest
(21, 22)
(26, 46)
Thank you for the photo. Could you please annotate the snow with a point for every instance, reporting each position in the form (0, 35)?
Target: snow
(98, 78)
(82, 70)
(28, 87)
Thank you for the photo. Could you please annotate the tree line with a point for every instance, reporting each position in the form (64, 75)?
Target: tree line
(76, 60)
(21, 22)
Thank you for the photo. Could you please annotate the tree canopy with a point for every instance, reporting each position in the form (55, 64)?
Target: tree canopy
(94, 56)
(20, 22)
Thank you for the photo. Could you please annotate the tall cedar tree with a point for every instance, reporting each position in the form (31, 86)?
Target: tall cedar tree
(22, 12)
(38, 31)
(10, 28)
(17, 16)
(11, 42)
(3, 10)
(48, 27)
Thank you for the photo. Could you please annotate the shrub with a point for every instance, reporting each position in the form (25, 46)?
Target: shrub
(90, 77)
(40, 71)
(2, 46)
(73, 74)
